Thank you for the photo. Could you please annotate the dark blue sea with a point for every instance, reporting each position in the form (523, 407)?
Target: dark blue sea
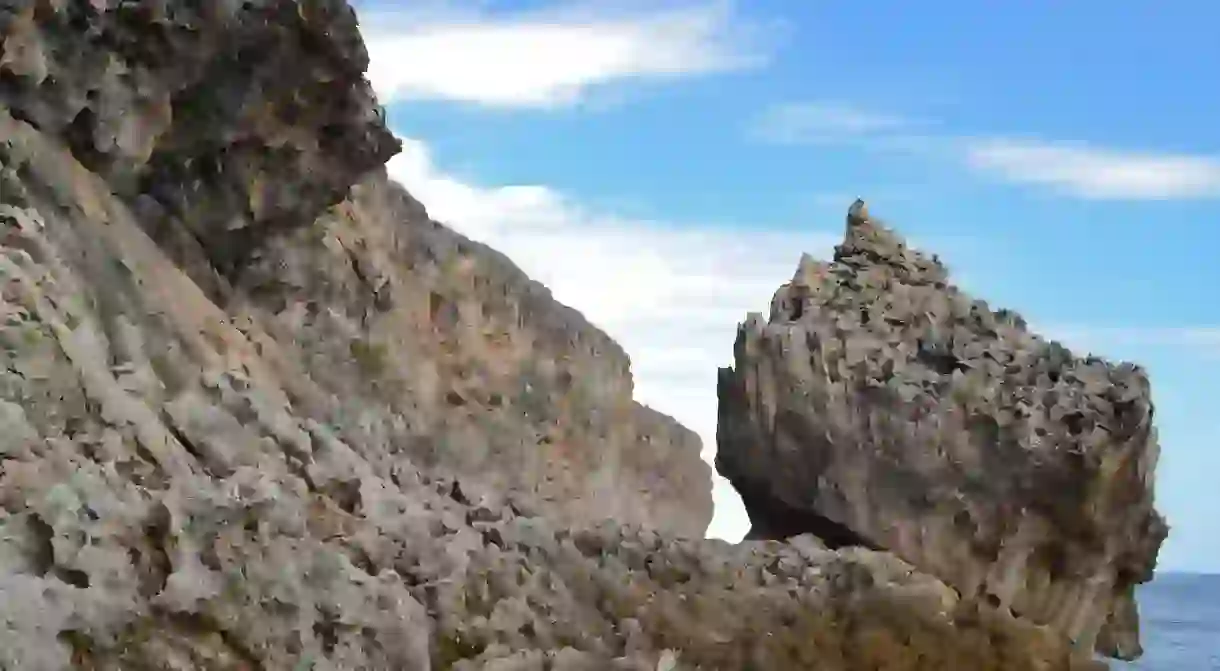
(1180, 619)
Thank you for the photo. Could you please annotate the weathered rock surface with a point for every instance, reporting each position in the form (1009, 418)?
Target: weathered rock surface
(168, 501)
(253, 417)
(480, 369)
(227, 128)
(231, 119)
(880, 406)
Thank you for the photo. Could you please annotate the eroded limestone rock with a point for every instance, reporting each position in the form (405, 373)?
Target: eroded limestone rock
(414, 331)
(881, 406)
(229, 129)
(231, 418)
(230, 119)
(167, 501)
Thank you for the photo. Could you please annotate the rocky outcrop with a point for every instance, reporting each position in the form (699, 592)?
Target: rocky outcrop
(223, 121)
(258, 411)
(469, 364)
(227, 129)
(169, 500)
(880, 406)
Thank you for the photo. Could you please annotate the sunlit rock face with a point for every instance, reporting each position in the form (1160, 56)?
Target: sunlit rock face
(471, 365)
(183, 487)
(259, 411)
(878, 405)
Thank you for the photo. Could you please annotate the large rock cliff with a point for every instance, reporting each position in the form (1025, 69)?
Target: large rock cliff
(227, 128)
(446, 346)
(880, 406)
(257, 411)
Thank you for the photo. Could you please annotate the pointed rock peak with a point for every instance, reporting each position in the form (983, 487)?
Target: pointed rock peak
(809, 271)
(858, 213)
(868, 243)
(865, 233)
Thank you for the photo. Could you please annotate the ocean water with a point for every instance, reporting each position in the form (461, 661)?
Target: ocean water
(1180, 624)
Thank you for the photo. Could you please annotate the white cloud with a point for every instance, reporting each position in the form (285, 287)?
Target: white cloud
(824, 122)
(1097, 173)
(552, 57)
(671, 295)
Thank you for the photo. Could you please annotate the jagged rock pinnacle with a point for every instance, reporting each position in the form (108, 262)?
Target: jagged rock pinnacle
(857, 213)
(807, 269)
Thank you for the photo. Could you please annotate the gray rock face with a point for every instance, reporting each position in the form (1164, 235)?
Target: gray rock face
(470, 364)
(230, 129)
(173, 495)
(231, 119)
(880, 406)
(253, 419)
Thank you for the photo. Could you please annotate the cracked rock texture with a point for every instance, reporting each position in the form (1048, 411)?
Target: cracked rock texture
(258, 411)
(232, 119)
(880, 406)
(174, 495)
(233, 132)
(468, 364)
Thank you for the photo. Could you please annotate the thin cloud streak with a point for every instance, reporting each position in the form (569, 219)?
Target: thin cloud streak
(823, 123)
(1203, 339)
(1070, 169)
(1097, 173)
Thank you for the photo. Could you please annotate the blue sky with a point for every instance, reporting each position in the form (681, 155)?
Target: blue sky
(661, 165)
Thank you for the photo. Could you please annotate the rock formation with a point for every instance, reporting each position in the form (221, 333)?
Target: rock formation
(879, 406)
(231, 119)
(469, 364)
(258, 411)
(226, 129)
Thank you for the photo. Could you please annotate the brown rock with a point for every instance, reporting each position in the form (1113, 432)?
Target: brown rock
(231, 129)
(880, 406)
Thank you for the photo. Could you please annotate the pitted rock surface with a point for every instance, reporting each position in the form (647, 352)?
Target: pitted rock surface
(168, 501)
(230, 120)
(255, 417)
(470, 365)
(880, 406)
(230, 129)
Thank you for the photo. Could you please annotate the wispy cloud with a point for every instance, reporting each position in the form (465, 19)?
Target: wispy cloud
(1097, 173)
(1072, 169)
(551, 57)
(672, 295)
(824, 122)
